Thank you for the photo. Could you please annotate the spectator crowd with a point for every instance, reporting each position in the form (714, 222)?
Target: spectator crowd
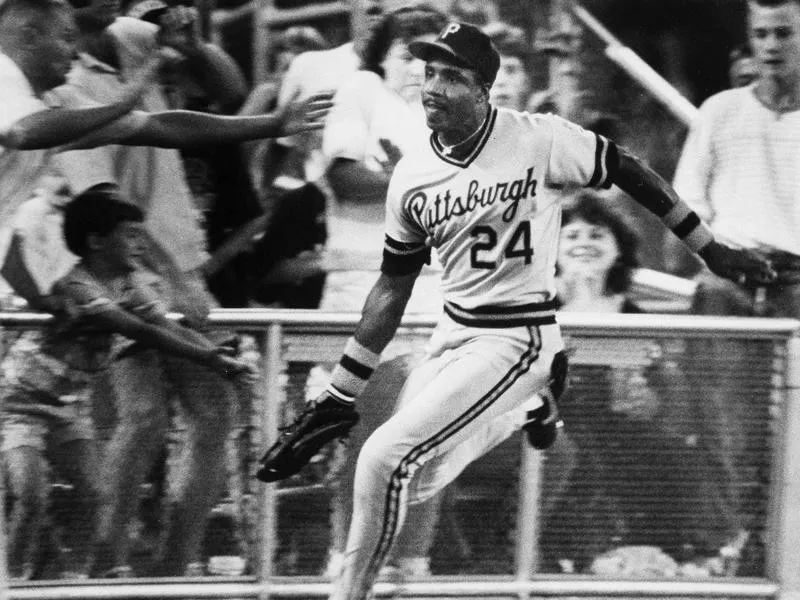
(141, 174)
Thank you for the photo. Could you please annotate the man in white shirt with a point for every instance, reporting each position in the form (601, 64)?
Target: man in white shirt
(739, 168)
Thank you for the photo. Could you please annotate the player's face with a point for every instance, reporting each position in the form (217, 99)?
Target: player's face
(452, 99)
(775, 38)
(52, 52)
(404, 73)
(587, 249)
(124, 246)
(511, 85)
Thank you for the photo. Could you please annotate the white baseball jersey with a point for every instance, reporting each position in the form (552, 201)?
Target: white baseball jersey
(494, 216)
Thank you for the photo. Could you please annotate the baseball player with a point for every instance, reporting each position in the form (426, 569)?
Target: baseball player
(487, 194)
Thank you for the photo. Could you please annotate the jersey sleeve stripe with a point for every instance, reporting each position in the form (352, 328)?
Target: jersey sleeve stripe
(403, 258)
(397, 247)
(605, 157)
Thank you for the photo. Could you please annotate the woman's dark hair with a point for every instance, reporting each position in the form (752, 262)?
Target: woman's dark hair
(405, 24)
(300, 38)
(96, 211)
(596, 211)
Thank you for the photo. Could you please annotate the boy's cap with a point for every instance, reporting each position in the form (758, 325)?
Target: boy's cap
(465, 45)
(148, 10)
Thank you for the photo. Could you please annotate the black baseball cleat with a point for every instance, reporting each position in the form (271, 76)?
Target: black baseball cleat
(300, 441)
(542, 424)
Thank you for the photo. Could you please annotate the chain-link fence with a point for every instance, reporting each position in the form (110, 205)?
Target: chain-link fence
(672, 477)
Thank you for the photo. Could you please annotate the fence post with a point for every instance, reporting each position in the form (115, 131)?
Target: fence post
(3, 540)
(785, 515)
(527, 545)
(272, 369)
(3, 544)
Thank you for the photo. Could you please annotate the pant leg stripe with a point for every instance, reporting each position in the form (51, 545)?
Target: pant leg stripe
(528, 357)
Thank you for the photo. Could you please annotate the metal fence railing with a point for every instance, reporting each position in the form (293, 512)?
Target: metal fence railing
(751, 363)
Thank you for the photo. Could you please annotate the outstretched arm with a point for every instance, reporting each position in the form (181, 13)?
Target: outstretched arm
(49, 128)
(650, 190)
(182, 128)
(168, 337)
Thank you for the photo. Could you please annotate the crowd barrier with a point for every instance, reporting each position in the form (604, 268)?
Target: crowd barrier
(314, 336)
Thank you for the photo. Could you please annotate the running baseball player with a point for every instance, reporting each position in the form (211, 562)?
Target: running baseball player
(486, 193)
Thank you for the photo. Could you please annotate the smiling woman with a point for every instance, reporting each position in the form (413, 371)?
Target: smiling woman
(596, 257)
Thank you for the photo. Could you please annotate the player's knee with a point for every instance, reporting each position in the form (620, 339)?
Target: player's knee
(381, 459)
(374, 455)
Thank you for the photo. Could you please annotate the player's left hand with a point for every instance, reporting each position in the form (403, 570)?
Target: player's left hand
(739, 265)
(304, 115)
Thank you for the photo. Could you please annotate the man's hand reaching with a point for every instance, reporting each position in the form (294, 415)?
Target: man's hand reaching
(741, 266)
(304, 115)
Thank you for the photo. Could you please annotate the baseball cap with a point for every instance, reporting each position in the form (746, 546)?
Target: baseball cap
(148, 10)
(464, 45)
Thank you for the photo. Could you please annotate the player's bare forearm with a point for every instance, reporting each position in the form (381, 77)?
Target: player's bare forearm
(384, 310)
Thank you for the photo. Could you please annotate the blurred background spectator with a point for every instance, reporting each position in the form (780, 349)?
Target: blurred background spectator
(742, 68)
(513, 86)
(474, 12)
(155, 179)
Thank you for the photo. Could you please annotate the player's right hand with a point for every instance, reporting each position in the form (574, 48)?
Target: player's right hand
(739, 265)
(304, 115)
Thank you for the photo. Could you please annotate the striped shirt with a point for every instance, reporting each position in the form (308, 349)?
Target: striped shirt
(740, 171)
